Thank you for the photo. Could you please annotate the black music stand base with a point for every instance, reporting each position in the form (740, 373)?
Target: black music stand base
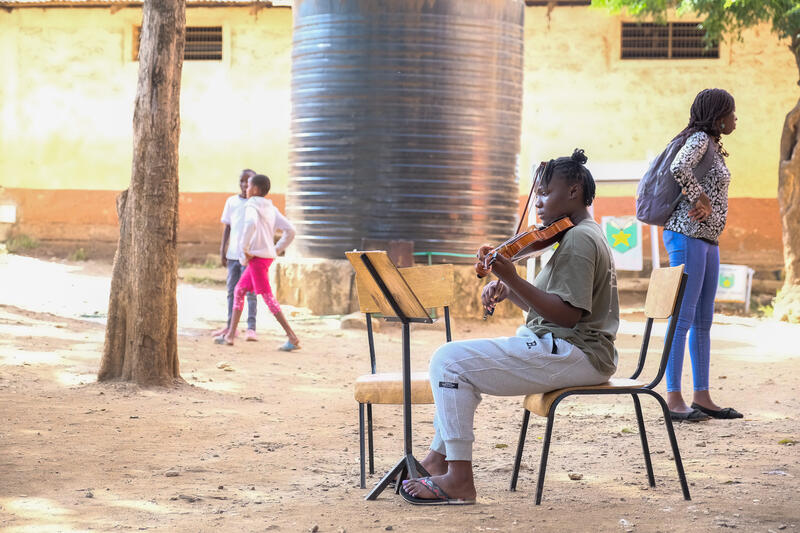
(406, 465)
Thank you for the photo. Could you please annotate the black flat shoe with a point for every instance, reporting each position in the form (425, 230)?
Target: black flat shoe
(726, 413)
(689, 416)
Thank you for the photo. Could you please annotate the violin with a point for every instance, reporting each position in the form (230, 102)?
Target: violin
(534, 241)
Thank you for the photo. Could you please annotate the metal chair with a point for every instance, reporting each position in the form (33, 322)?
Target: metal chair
(664, 296)
(434, 286)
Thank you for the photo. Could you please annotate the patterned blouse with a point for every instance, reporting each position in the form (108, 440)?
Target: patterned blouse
(714, 184)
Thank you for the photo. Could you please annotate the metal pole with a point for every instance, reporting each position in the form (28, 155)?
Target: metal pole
(656, 260)
(407, 386)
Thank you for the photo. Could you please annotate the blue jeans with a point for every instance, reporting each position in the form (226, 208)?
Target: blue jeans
(701, 260)
(235, 270)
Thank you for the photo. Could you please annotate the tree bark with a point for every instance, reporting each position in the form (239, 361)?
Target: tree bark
(787, 303)
(141, 332)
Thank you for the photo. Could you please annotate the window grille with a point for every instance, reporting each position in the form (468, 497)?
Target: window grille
(674, 40)
(558, 2)
(203, 43)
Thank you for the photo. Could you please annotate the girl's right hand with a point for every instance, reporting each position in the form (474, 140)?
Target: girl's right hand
(701, 209)
(493, 293)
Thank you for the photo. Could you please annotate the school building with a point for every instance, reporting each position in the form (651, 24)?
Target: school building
(68, 73)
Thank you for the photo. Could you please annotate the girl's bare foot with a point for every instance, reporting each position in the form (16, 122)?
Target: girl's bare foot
(434, 463)
(453, 485)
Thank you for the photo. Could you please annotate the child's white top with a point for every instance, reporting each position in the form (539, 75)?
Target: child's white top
(233, 216)
(261, 220)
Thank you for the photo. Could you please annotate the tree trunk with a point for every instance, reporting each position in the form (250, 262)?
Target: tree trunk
(787, 303)
(141, 333)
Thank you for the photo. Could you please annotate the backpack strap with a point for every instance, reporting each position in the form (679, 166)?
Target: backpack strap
(707, 162)
(701, 169)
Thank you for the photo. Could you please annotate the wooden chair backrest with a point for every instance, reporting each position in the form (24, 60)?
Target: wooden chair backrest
(662, 292)
(434, 286)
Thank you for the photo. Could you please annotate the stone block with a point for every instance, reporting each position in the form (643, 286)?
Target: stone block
(327, 287)
(358, 320)
(467, 301)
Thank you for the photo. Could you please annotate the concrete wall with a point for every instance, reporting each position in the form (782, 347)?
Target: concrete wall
(69, 78)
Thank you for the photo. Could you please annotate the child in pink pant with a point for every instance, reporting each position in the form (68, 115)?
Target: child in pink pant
(258, 252)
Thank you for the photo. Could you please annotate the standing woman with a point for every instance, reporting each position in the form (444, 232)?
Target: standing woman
(691, 238)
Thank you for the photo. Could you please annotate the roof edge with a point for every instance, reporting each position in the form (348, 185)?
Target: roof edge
(10, 5)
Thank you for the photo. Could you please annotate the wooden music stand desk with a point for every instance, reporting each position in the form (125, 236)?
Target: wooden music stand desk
(393, 296)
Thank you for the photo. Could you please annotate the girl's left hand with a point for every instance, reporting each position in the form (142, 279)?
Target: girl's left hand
(480, 266)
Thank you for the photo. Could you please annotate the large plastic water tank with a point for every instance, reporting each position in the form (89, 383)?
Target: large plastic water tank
(405, 123)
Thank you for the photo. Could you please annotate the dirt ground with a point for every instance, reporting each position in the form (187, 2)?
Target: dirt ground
(260, 440)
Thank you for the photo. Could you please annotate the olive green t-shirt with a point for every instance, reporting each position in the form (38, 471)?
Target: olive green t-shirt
(581, 272)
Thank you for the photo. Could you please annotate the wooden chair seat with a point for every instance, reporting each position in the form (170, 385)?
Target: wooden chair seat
(539, 404)
(433, 286)
(664, 297)
(387, 388)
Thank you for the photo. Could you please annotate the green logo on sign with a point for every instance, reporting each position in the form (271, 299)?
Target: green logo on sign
(621, 239)
(726, 280)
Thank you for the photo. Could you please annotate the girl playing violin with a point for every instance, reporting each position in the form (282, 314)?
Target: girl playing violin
(568, 338)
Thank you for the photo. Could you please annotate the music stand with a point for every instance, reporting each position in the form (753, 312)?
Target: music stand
(397, 301)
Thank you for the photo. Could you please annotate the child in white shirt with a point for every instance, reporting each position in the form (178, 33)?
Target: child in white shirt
(233, 218)
(258, 251)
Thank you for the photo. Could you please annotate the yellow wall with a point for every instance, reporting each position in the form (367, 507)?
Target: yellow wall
(579, 93)
(67, 84)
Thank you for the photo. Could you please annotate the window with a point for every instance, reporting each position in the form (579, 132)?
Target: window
(674, 40)
(558, 2)
(203, 43)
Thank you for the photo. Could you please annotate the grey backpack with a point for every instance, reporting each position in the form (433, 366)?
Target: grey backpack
(658, 193)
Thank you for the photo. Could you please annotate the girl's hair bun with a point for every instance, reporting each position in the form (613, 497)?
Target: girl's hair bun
(579, 157)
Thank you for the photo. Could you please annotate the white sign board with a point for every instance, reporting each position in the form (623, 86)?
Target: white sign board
(734, 283)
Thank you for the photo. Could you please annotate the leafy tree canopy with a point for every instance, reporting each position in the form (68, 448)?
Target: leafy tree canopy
(721, 17)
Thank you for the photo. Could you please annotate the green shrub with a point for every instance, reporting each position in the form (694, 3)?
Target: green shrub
(78, 255)
(20, 243)
(212, 261)
(202, 280)
(765, 310)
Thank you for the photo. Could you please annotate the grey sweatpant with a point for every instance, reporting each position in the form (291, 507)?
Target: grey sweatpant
(506, 366)
(235, 270)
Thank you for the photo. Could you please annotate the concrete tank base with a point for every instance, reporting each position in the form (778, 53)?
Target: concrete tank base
(327, 287)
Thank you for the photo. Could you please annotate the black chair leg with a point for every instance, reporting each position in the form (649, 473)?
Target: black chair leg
(526, 415)
(369, 437)
(361, 443)
(545, 451)
(643, 436)
(674, 443)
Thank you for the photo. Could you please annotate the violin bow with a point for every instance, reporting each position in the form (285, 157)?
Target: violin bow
(537, 177)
